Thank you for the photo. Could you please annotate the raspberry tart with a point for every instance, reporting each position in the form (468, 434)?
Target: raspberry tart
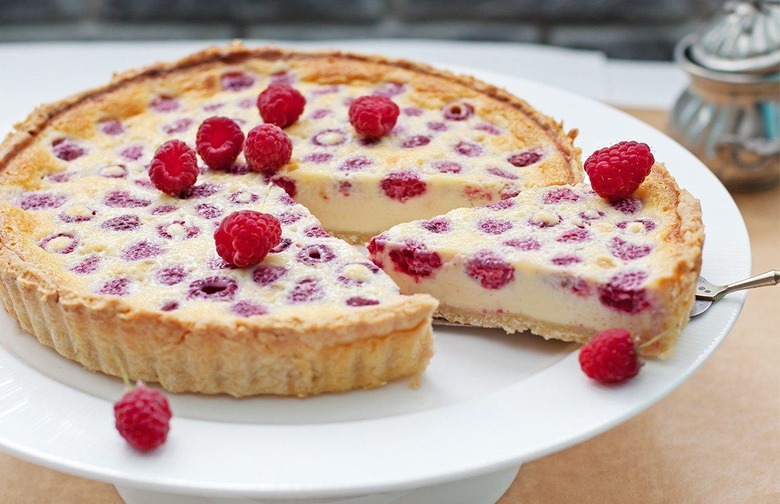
(560, 261)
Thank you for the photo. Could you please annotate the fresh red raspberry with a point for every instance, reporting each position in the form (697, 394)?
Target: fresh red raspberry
(267, 148)
(281, 105)
(610, 357)
(174, 167)
(403, 185)
(142, 417)
(415, 260)
(219, 141)
(373, 116)
(616, 172)
(244, 238)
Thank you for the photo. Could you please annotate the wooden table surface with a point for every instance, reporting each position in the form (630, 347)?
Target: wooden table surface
(714, 439)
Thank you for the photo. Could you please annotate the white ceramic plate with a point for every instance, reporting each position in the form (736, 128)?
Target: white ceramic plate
(488, 401)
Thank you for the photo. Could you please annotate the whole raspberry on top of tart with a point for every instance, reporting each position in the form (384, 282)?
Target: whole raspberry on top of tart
(560, 261)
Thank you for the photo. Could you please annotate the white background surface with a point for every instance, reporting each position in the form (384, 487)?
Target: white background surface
(507, 413)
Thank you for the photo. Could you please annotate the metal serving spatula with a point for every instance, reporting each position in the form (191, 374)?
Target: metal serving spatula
(706, 293)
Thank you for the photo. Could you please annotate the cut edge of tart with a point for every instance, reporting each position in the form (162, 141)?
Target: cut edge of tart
(579, 276)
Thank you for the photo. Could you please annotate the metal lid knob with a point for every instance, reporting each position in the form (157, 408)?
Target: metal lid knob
(744, 38)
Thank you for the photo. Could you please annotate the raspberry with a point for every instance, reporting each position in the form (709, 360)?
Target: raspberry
(414, 259)
(438, 225)
(491, 271)
(373, 116)
(628, 251)
(468, 149)
(115, 287)
(317, 253)
(141, 250)
(560, 196)
(523, 159)
(616, 172)
(524, 244)
(402, 186)
(215, 288)
(267, 148)
(458, 111)
(306, 290)
(248, 309)
(576, 235)
(126, 222)
(623, 292)
(67, 150)
(266, 275)
(143, 417)
(171, 275)
(281, 105)
(219, 141)
(41, 201)
(174, 167)
(361, 301)
(494, 227)
(416, 141)
(244, 238)
(498, 172)
(123, 199)
(610, 357)
(285, 183)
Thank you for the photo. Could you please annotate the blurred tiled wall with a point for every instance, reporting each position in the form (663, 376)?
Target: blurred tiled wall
(645, 29)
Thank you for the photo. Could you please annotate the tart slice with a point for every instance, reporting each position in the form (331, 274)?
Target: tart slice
(561, 262)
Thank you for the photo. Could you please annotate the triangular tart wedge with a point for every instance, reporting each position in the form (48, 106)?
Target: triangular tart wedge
(561, 262)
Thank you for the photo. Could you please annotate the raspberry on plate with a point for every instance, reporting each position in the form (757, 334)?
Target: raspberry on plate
(373, 116)
(219, 141)
(267, 148)
(616, 172)
(244, 238)
(174, 167)
(142, 417)
(280, 104)
(610, 357)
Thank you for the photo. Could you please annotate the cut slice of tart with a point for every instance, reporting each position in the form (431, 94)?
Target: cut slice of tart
(561, 262)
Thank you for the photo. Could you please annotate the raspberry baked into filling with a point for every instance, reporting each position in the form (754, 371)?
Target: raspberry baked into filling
(561, 261)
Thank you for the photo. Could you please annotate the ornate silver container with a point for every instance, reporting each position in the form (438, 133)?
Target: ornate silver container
(730, 114)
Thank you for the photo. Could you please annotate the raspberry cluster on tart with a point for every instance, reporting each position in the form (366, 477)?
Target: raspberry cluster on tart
(108, 253)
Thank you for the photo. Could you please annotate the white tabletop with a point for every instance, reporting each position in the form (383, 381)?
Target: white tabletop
(50, 71)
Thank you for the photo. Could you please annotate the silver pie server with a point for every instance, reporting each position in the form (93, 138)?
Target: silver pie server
(706, 293)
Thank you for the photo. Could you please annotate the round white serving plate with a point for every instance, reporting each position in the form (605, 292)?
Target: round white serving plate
(487, 402)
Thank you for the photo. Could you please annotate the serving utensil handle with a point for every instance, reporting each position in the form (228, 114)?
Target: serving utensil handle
(771, 277)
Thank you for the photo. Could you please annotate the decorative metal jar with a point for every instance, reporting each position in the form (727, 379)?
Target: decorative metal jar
(730, 114)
